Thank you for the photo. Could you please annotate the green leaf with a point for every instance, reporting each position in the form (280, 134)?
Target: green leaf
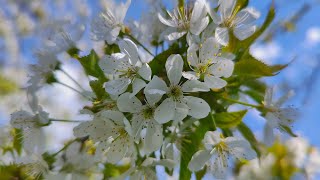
(249, 66)
(229, 119)
(97, 88)
(201, 173)
(249, 136)
(190, 144)
(7, 86)
(17, 140)
(288, 130)
(91, 66)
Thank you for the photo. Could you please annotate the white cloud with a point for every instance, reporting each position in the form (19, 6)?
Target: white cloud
(266, 52)
(313, 36)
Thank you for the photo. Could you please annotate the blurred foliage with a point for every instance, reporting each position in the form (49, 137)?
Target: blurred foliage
(7, 86)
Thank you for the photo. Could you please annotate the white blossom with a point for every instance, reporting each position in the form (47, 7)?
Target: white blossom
(112, 131)
(143, 118)
(218, 152)
(176, 106)
(31, 124)
(127, 68)
(145, 170)
(190, 19)
(277, 116)
(108, 24)
(211, 65)
(240, 23)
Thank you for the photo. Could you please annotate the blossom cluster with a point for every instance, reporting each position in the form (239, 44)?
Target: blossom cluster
(142, 108)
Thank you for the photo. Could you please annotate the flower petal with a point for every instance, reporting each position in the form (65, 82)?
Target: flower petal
(222, 68)
(198, 160)
(240, 148)
(214, 82)
(145, 72)
(117, 150)
(137, 85)
(198, 26)
(211, 138)
(118, 86)
(154, 137)
(191, 75)
(194, 86)
(174, 67)
(198, 108)
(127, 104)
(244, 31)
(181, 112)
(82, 130)
(192, 57)
(155, 89)
(208, 50)
(130, 49)
(166, 21)
(222, 36)
(165, 111)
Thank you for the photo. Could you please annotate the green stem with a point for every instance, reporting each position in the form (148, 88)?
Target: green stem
(75, 90)
(213, 121)
(64, 147)
(64, 120)
(71, 78)
(243, 103)
(140, 44)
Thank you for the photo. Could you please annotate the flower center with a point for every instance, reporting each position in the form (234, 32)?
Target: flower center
(175, 92)
(148, 112)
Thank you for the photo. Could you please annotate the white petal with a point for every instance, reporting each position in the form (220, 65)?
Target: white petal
(246, 16)
(82, 130)
(287, 116)
(191, 75)
(22, 119)
(192, 55)
(154, 137)
(199, 11)
(109, 64)
(137, 125)
(198, 108)
(118, 150)
(155, 89)
(268, 135)
(240, 148)
(211, 138)
(242, 32)
(34, 140)
(127, 104)
(137, 85)
(116, 116)
(268, 97)
(101, 148)
(192, 39)
(226, 8)
(118, 86)
(197, 27)
(165, 111)
(174, 67)
(198, 160)
(222, 68)
(208, 50)
(214, 82)
(222, 36)
(145, 72)
(219, 165)
(121, 10)
(194, 86)
(130, 49)
(165, 21)
(208, 32)
(176, 35)
(181, 112)
(215, 17)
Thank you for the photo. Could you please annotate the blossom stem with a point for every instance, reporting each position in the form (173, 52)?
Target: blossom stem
(67, 86)
(243, 103)
(64, 120)
(140, 44)
(71, 78)
(64, 147)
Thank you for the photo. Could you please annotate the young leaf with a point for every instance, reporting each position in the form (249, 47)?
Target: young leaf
(91, 66)
(248, 134)
(229, 119)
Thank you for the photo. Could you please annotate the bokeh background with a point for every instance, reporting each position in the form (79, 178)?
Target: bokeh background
(24, 24)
